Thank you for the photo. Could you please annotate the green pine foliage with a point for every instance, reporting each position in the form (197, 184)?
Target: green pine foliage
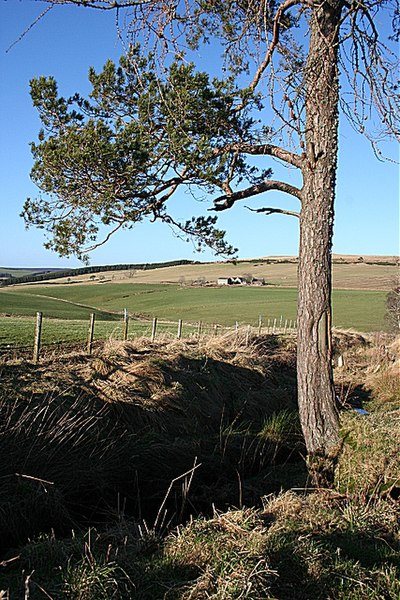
(114, 159)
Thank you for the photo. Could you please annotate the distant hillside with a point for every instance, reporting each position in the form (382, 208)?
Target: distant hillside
(336, 259)
(15, 272)
(349, 272)
(15, 276)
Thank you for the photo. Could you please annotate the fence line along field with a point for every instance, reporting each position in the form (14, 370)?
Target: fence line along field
(170, 293)
(62, 332)
(66, 308)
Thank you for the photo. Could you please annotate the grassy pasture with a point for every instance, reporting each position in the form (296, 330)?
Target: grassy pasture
(67, 311)
(213, 305)
(363, 310)
(19, 331)
(24, 302)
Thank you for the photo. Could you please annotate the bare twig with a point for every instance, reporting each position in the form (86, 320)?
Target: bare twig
(23, 34)
(189, 472)
(44, 481)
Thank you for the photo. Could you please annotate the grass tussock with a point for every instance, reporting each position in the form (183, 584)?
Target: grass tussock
(369, 378)
(324, 545)
(370, 460)
(144, 413)
(84, 437)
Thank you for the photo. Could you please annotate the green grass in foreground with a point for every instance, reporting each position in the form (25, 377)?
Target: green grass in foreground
(311, 551)
(361, 310)
(20, 331)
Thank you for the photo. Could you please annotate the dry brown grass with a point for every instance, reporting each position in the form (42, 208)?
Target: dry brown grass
(230, 559)
(131, 418)
(144, 410)
(364, 356)
(348, 272)
(370, 377)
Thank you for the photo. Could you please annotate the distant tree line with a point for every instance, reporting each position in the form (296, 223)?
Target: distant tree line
(44, 276)
(336, 261)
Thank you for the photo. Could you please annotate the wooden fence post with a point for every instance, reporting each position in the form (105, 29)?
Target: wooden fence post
(199, 330)
(259, 324)
(179, 329)
(126, 323)
(90, 334)
(38, 335)
(274, 327)
(154, 329)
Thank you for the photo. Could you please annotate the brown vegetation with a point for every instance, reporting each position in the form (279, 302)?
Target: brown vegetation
(160, 431)
(120, 425)
(372, 273)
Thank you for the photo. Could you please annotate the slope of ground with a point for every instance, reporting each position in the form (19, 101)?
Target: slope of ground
(349, 272)
(76, 428)
(14, 302)
(127, 420)
(362, 310)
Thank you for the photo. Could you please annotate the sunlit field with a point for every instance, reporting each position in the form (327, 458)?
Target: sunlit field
(66, 309)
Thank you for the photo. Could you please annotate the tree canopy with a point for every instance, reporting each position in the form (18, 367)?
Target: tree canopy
(156, 122)
(118, 156)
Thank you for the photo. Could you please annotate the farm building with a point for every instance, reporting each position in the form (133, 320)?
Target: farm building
(239, 281)
(231, 281)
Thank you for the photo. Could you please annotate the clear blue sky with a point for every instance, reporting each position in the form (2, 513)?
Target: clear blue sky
(64, 44)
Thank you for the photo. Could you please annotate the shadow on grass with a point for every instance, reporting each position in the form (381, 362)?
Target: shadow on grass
(89, 439)
(345, 564)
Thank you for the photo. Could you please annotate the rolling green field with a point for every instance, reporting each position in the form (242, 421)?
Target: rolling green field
(66, 308)
(22, 303)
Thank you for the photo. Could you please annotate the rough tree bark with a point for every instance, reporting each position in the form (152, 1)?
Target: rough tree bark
(316, 392)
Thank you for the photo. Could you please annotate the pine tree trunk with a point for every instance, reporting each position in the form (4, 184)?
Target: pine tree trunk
(316, 392)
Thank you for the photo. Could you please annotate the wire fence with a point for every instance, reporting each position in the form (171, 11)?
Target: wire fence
(46, 332)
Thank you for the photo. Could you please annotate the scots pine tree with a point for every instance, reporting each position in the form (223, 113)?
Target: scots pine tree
(159, 122)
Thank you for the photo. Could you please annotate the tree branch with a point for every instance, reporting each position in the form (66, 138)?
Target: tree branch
(228, 200)
(270, 211)
(23, 34)
(105, 239)
(274, 42)
(271, 150)
(103, 4)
